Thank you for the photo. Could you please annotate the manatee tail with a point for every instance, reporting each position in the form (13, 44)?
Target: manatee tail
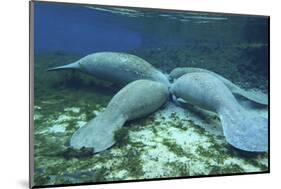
(244, 131)
(253, 96)
(74, 65)
(98, 133)
(256, 97)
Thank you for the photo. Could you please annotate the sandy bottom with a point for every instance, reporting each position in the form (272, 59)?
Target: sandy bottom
(173, 142)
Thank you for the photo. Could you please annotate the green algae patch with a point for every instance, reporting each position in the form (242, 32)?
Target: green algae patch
(229, 169)
(174, 147)
(121, 136)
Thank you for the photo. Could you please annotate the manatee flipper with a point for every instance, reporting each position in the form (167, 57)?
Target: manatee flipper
(253, 96)
(70, 66)
(245, 133)
(135, 100)
(242, 129)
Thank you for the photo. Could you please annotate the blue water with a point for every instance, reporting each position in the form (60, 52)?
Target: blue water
(82, 30)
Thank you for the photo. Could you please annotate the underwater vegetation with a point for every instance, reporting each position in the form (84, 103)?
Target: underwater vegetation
(173, 142)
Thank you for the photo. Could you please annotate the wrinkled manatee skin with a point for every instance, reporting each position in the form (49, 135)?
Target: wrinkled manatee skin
(135, 100)
(241, 129)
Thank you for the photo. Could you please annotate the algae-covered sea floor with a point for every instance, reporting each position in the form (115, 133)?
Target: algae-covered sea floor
(172, 142)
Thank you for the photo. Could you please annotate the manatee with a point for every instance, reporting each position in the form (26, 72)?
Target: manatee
(256, 97)
(241, 129)
(119, 68)
(137, 99)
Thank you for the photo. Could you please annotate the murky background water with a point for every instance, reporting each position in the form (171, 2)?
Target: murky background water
(173, 142)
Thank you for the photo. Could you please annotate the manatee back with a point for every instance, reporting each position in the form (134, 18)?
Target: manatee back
(139, 98)
(204, 90)
(180, 71)
(119, 68)
(254, 97)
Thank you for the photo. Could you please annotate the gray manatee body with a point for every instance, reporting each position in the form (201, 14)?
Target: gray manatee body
(259, 98)
(135, 100)
(241, 129)
(120, 68)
